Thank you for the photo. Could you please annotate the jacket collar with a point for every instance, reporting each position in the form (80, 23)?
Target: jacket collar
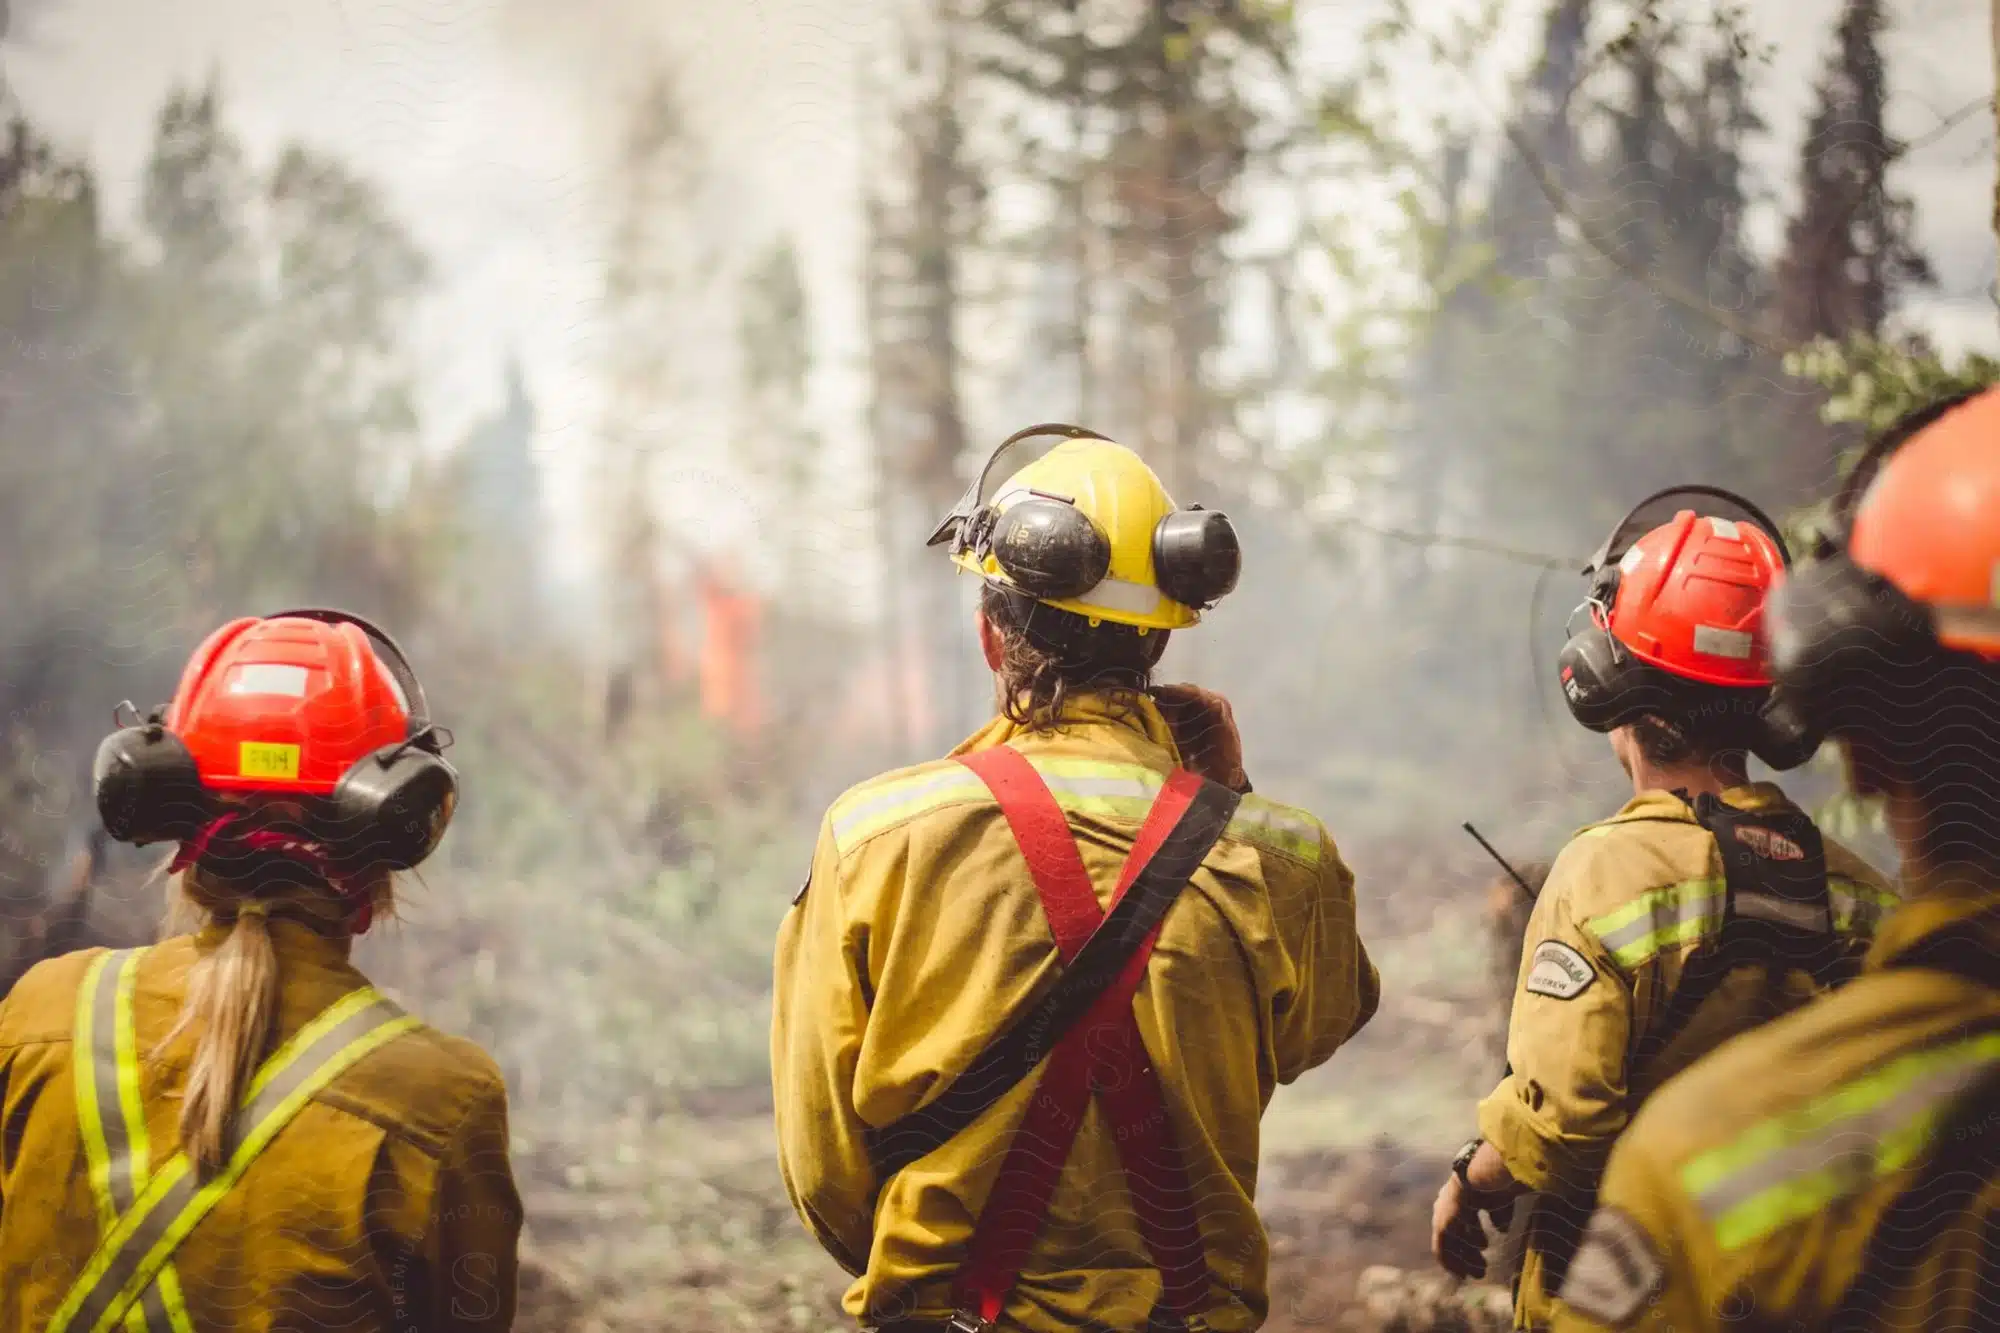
(1928, 909)
(296, 943)
(1090, 723)
(1754, 797)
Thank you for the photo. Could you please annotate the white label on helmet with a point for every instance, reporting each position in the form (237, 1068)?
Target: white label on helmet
(1631, 560)
(1119, 595)
(1725, 529)
(269, 678)
(1718, 642)
(1559, 972)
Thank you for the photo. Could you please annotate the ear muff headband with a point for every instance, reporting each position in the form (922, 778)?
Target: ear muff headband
(388, 810)
(1052, 551)
(1837, 621)
(392, 655)
(1625, 533)
(953, 528)
(1606, 687)
(1877, 450)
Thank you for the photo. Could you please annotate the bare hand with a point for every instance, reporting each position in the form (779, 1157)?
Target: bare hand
(1204, 729)
(1458, 1241)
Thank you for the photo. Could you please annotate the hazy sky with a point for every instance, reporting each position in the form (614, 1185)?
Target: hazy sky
(489, 123)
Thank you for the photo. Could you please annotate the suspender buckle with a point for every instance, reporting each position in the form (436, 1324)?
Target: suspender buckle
(964, 1321)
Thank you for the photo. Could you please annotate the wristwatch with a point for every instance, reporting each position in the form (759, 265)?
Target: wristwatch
(1463, 1162)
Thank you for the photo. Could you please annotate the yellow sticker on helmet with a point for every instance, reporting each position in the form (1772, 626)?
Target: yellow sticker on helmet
(267, 759)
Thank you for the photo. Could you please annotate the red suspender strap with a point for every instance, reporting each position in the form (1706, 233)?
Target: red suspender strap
(1104, 1049)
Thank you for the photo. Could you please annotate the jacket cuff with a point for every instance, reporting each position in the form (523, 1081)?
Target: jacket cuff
(1520, 1139)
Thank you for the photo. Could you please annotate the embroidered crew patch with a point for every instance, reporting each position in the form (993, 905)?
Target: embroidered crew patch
(1616, 1270)
(1559, 972)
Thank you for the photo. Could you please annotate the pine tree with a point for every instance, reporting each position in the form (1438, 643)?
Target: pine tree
(1523, 224)
(1848, 249)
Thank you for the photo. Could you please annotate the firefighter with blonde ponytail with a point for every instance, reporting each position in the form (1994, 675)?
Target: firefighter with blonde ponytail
(233, 1128)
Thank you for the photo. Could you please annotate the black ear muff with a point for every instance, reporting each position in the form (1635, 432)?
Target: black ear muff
(389, 811)
(1196, 557)
(1833, 622)
(1596, 678)
(1049, 548)
(147, 786)
(1786, 735)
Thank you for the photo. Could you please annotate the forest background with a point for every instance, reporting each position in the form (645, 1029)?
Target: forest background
(1424, 298)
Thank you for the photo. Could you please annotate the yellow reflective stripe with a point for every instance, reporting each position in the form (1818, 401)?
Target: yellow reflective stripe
(164, 1304)
(879, 806)
(1278, 827)
(259, 1138)
(136, 1143)
(89, 1113)
(1790, 1168)
(1659, 919)
(169, 1288)
(175, 1187)
(1103, 789)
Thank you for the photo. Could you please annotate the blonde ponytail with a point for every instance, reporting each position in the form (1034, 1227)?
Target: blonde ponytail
(232, 1002)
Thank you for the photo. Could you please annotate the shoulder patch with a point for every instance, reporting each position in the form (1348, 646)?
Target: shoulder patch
(1616, 1272)
(1559, 971)
(1770, 845)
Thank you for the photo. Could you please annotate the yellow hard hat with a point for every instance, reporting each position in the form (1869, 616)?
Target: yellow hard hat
(1088, 528)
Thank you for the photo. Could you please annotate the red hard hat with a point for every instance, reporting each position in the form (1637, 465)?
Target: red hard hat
(1691, 599)
(285, 705)
(1930, 524)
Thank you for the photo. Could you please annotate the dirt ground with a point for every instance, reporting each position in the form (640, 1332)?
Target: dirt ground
(718, 1248)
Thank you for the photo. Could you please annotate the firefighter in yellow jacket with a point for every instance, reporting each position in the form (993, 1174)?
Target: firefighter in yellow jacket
(1839, 1168)
(232, 1129)
(974, 1153)
(1706, 905)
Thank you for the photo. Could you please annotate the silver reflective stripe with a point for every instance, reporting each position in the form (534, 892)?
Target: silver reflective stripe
(1765, 907)
(1698, 900)
(104, 1013)
(1120, 595)
(1101, 787)
(1846, 1145)
(1853, 912)
(1715, 641)
(170, 1210)
(104, 1072)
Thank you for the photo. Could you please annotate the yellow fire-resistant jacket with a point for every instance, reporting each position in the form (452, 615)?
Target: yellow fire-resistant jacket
(1626, 902)
(920, 935)
(386, 1205)
(1745, 1192)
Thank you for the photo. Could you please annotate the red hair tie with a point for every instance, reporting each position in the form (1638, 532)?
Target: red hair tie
(311, 854)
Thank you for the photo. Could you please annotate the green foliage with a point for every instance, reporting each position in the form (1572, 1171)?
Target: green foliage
(1874, 381)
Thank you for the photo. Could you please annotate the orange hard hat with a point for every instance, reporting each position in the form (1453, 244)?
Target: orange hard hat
(1929, 524)
(1690, 599)
(286, 704)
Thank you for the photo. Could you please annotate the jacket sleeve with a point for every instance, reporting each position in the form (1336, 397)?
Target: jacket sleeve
(1554, 1116)
(1338, 988)
(1643, 1262)
(819, 1013)
(475, 1227)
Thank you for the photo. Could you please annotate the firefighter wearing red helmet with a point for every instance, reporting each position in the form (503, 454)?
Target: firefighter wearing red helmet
(1704, 906)
(233, 1128)
(1838, 1168)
